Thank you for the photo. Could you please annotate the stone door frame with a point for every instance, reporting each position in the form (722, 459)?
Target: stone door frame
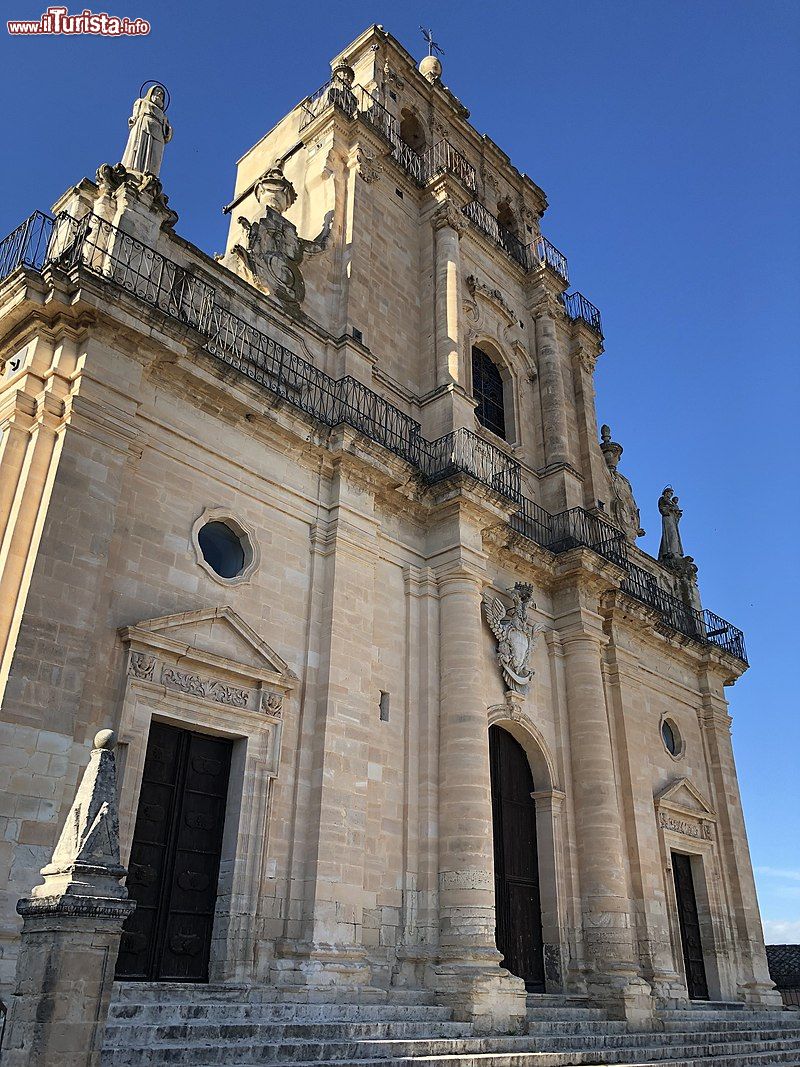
(196, 688)
(687, 824)
(550, 841)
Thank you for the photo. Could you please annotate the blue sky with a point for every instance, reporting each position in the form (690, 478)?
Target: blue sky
(666, 137)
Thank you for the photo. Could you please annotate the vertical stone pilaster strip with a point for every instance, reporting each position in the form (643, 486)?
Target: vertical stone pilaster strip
(554, 404)
(447, 268)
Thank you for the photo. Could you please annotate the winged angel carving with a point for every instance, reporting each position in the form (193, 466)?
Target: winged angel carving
(516, 636)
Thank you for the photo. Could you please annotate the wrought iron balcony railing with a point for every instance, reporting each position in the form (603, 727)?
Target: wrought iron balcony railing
(545, 253)
(463, 452)
(334, 93)
(27, 245)
(578, 307)
(486, 222)
(442, 158)
(703, 626)
(190, 298)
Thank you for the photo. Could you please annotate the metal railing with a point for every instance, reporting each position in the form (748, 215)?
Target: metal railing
(548, 255)
(442, 158)
(486, 222)
(27, 245)
(186, 296)
(578, 307)
(703, 626)
(334, 93)
(463, 452)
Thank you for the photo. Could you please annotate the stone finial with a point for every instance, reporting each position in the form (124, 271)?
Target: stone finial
(150, 130)
(274, 190)
(343, 72)
(611, 450)
(431, 69)
(86, 859)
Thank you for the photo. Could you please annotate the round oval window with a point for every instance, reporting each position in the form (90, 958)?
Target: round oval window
(669, 737)
(222, 549)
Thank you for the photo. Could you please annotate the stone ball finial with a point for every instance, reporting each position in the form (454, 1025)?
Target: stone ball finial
(431, 69)
(104, 739)
(343, 72)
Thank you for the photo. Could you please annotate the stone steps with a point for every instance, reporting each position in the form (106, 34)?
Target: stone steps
(166, 1024)
(191, 1049)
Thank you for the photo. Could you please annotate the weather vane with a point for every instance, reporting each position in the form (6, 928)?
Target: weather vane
(432, 45)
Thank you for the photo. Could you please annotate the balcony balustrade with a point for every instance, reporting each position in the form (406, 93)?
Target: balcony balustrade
(189, 297)
(578, 308)
(488, 224)
(547, 255)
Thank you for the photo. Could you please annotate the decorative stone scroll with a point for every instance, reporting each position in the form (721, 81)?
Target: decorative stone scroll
(682, 809)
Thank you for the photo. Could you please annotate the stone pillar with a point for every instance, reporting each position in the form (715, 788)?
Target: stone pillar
(447, 279)
(71, 932)
(469, 976)
(613, 973)
(755, 983)
(554, 404)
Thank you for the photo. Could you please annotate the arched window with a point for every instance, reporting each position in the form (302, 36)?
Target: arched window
(487, 388)
(411, 131)
(507, 218)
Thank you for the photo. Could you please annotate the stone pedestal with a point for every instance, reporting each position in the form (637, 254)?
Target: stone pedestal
(71, 932)
(65, 973)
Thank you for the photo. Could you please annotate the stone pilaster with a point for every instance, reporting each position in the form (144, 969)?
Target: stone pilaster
(613, 977)
(71, 932)
(330, 952)
(756, 986)
(469, 976)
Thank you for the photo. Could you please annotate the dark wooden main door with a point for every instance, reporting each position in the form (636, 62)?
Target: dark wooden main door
(516, 864)
(690, 927)
(174, 864)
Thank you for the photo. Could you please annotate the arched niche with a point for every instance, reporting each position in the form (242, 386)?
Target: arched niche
(412, 132)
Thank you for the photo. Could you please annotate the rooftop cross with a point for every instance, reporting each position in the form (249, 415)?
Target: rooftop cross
(432, 45)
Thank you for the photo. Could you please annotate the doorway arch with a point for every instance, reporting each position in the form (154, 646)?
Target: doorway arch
(516, 860)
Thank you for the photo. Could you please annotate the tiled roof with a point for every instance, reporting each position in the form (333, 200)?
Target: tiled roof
(784, 965)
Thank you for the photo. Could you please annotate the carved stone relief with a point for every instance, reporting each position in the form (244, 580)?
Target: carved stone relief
(516, 635)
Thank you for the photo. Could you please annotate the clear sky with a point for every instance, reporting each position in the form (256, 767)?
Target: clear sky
(666, 137)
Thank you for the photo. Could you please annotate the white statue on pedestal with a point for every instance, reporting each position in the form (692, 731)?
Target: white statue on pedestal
(150, 130)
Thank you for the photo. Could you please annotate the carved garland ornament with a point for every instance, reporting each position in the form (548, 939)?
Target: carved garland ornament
(700, 829)
(148, 669)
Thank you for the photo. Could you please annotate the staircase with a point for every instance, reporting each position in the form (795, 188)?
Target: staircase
(151, 1025)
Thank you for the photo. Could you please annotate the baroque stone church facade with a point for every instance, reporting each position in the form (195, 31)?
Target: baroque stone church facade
(323, 528)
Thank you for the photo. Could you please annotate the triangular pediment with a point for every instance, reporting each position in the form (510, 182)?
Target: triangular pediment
(682, 796)
(215, 636)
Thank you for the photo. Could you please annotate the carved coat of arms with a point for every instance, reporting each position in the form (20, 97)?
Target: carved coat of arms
(516, 636)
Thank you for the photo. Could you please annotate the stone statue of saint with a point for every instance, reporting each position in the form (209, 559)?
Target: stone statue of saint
(624, 511)
(149, 132)
(670, 547)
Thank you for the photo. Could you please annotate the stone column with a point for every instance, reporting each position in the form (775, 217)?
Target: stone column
(469, 976)
(754, 980)
(554, 404)
(613, 973)
(447, 224)
(71, 932)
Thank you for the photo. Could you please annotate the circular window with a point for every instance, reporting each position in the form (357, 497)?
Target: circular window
(671, 737)
(222, 549)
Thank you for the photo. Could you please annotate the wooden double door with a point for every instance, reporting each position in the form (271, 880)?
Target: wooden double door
(689, 922)
(516, 861)
(175, 858)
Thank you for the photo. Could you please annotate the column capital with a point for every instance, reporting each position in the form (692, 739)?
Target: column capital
(447, 216)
